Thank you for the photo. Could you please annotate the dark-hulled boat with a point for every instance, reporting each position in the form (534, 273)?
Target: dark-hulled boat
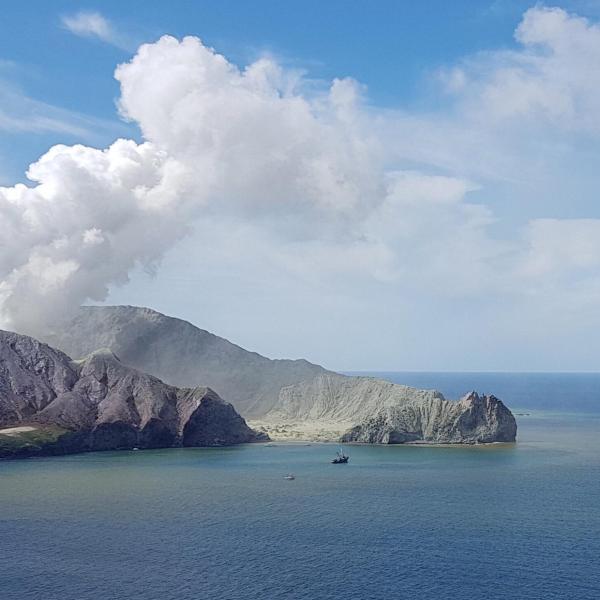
(341, 458)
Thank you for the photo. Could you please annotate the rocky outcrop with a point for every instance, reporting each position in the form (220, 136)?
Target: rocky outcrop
(102, 404)
(212, 422)
(31, 376)
(472, 420)
(363, 409)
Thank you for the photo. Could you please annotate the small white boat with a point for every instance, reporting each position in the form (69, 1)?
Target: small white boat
(289, 477)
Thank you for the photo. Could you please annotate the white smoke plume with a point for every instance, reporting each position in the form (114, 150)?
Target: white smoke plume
(377, 191)
(218, 140)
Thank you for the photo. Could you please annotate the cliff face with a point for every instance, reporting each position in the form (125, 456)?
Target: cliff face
(369, 410)
(31, 376)
(471, 420)
(102, 404)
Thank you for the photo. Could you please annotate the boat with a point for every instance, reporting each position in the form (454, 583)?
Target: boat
(341, 458)
(289, 477)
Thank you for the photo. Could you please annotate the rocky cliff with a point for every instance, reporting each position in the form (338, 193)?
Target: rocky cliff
(473, 419)
(363, 409)
(99, 403)
(32, 375)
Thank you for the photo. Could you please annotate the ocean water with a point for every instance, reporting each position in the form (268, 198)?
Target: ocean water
(563, 392)
(515, 521)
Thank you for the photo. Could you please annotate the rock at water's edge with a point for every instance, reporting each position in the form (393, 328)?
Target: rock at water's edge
(100, 404)
(472, 420)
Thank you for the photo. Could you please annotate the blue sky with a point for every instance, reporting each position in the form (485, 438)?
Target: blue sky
(330, 38)
(446, 188)
(391, 47)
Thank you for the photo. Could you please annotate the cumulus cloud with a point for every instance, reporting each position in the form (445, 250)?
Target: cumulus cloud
(251, 138)
(315, 183)
(89, 219)
(219, 141)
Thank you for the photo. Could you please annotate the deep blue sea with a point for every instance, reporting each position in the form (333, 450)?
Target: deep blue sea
(499, 522)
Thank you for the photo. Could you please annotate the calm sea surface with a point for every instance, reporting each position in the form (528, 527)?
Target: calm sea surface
(500, 522)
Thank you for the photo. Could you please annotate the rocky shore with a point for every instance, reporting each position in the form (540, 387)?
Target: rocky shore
(51, 404)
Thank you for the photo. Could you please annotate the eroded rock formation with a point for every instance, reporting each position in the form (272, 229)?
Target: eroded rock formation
(103, 404)
(364, 409)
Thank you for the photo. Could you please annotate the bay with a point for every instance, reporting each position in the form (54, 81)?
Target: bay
(503, 521)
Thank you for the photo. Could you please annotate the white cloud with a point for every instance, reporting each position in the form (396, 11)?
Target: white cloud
(251, 141)
(220, 141)
(273, 175)
(563, 248)
(550, 80)
(85, 224)
(92, 24)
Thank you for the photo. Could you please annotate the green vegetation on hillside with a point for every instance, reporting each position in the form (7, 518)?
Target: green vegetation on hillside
(29, 442)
